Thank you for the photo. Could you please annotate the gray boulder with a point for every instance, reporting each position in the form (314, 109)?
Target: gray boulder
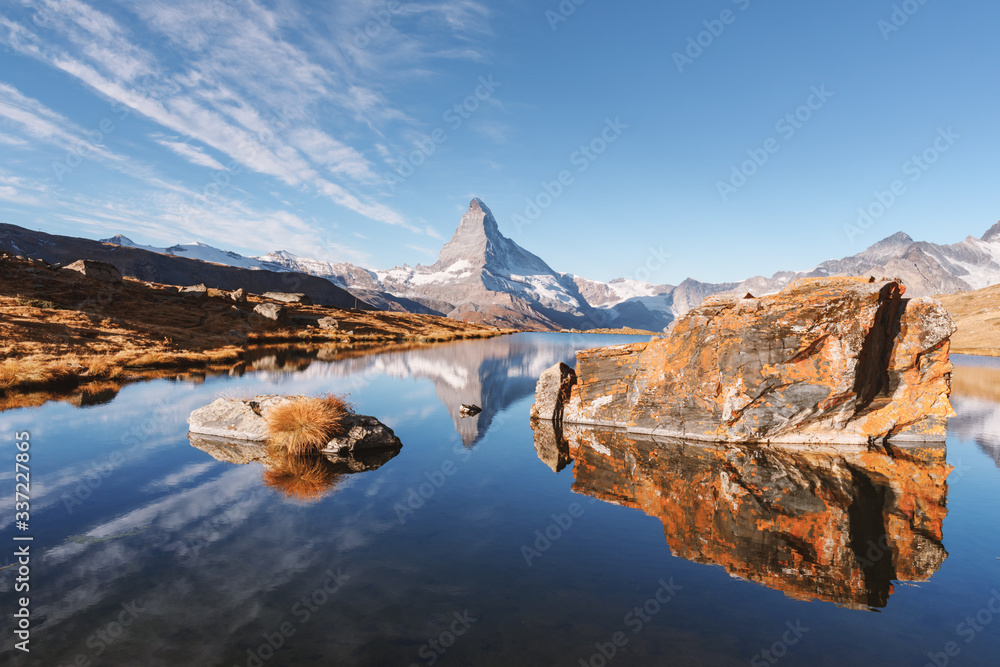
(328, 323)
(271, 311)
(246, 419)
(96, 270)
(289, 297)
(552, 392)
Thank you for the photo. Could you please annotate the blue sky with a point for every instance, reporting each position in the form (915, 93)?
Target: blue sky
(738, 137)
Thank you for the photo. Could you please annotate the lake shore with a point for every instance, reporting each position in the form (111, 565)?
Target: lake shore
(60, 329)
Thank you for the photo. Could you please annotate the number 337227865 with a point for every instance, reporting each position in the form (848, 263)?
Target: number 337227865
(22, 472)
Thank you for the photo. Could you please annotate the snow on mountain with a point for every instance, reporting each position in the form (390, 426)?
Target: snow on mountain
(193, 250)
(342, 274)
(481, 271)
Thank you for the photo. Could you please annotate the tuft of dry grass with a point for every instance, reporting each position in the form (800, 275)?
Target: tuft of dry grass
(31, 373)
(307, 424)
(104, 366)
(303, 479)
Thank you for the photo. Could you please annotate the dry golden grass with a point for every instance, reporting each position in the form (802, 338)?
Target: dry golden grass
(307, 425)
(33, 373)
(303, 479)
(105, 367)
(977, 315)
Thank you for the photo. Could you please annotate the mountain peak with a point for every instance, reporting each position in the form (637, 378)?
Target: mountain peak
(119, 239)
(477, 238)
(993, 233)
(889, 246)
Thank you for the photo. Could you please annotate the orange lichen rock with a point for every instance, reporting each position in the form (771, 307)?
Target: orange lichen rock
(831, 360)
(834, 523)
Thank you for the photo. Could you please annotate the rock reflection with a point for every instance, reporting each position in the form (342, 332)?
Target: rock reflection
(838, 524)
(300, 479)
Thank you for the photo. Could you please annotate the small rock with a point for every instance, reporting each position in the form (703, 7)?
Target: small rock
(469, 409)
(328, 323)
(239, 296)
(271, 311)
(194, 289)
(96, 270)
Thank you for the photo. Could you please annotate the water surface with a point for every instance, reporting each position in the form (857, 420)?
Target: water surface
(478, 544)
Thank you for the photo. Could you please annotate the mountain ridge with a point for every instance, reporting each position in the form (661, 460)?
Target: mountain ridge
(483, 276)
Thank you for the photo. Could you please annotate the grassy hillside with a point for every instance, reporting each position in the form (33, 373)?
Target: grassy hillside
(977, 315)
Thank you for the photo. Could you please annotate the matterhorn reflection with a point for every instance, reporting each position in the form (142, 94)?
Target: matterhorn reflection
(839, 524)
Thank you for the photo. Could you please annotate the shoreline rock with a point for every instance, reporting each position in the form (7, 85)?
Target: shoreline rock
(827, 360)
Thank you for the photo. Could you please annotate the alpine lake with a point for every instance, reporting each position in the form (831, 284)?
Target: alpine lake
(484, 542)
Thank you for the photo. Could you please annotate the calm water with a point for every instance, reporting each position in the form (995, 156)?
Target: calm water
(468, 548)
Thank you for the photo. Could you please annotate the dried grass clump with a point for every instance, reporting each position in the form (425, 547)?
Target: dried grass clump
(303, 479)
(307, 424)
(105, 366)
(26, 373)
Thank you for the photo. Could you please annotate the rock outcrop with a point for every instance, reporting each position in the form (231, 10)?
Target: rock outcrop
(289, 297)
(831, 523)
(246, 420)
(834, 360)
(271, 311)
(97, 270)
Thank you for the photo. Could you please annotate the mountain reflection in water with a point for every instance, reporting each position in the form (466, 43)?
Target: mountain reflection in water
(838, 524)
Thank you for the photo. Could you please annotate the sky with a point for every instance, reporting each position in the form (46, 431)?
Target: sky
(654, 140)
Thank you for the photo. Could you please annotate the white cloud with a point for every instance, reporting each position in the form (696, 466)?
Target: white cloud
(191, 153)
(283, 92)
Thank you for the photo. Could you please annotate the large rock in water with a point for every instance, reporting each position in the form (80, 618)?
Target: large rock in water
(837, 360)
(246, 420)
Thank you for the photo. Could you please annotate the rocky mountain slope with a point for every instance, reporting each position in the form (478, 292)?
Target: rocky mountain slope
(171, 269)
(489, 278)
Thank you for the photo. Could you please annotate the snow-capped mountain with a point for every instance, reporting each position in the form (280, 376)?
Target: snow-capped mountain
(487, 277)
(340, 273)
(193, 250)
(483, 276)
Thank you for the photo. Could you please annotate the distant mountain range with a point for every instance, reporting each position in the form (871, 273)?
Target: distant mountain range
(483, 276)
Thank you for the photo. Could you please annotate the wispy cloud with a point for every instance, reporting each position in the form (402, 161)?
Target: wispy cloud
(286, 92)
(191, 153)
